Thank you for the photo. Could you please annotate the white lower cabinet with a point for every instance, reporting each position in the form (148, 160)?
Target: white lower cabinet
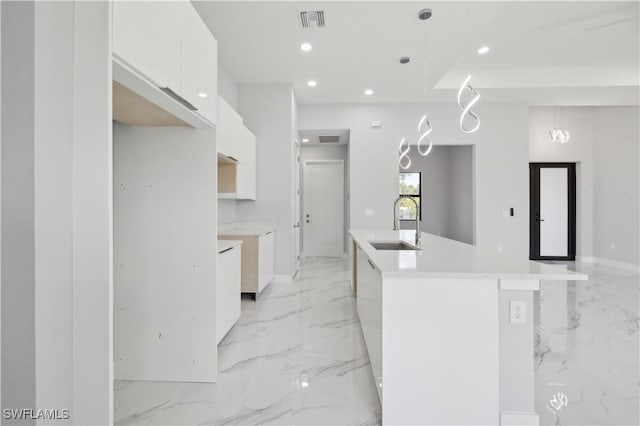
(266, 260)
(258, 259)
(369, 305)
(227, 290)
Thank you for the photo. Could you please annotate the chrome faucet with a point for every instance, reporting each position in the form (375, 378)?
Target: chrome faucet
(396, 221)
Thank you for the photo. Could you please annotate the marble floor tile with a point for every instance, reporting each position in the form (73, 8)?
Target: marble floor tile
(587, 349)
(297, 357)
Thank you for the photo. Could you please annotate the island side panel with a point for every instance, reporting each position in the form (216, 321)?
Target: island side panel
(440, 348)
(516, 358)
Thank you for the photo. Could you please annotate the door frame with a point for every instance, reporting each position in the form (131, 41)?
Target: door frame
(534, 208)
(297, 212)
(305, 163)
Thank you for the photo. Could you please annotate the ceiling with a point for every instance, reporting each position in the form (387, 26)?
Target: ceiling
(543, 53)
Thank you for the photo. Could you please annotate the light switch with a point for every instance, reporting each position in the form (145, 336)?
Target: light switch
(368, 212)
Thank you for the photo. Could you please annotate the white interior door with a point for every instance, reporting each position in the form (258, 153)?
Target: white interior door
(323, 212)
(554, 211)
(296, 211)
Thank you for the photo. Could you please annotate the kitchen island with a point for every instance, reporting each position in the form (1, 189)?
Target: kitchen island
(448, 328)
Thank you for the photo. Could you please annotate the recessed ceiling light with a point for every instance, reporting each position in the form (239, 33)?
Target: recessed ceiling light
(368, 92)
(305, 47)
(312, 83)
(305, 140)
(483, 50)
(202, 95)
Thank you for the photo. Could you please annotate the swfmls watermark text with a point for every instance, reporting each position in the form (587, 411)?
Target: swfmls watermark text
(36, 414)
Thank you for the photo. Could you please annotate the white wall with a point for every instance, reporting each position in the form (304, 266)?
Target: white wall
(92, 215)
(579, 150)
(165, 233)
(616, 184)
(18, 192)
(447, 192)
(501, 159)
(436, 191)
(54, 203)
(326, 152)
(604, 144)
(462, 196)
(227, 87)
(267, 112)
(56, 209)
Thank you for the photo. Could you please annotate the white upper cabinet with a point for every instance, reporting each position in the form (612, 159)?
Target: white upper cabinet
(199, 64)
(146, 35)
(168, 44)
(246, 168)
(228, 130)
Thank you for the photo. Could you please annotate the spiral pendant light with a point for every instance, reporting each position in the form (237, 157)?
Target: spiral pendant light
(465, 105)
(424, 126)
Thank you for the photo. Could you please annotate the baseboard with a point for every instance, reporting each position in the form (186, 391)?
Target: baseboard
(608, 262)
(282, 279)
(518, 418)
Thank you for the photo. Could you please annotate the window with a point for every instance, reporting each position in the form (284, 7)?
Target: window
(410, 185)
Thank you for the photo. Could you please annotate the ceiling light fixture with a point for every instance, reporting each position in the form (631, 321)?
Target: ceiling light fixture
(305, 140)
(559, 135)
(202, 95)
(472, 95)
(466, 109)
(403, 149)
(424, 126)
(312, 83)
(483, 50)
(306, 47)
(368, 92)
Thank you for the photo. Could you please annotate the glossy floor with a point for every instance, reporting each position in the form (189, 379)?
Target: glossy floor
(297, 357)
(587, 349)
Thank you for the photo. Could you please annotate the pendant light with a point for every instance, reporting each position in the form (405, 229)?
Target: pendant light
(559, 135)
(466, 104)
(403, 150)
(469, 120)
(424, 126)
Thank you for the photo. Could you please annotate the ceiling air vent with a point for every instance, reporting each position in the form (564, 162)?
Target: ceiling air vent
(329, 139)
(312, 19)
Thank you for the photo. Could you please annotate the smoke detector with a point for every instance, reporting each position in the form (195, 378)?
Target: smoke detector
(312, 19)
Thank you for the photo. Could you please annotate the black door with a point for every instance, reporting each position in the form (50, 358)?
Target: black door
(552, 229)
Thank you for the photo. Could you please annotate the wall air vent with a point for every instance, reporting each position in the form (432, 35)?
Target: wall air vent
(329, 139)
(312, 19)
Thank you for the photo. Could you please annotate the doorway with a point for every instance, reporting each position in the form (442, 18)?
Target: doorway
(296, 208)
(323, 208)
(552, 218)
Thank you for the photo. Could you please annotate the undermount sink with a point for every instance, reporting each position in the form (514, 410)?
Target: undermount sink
(392, 245)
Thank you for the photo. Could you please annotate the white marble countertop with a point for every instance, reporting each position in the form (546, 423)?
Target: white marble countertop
(245, 229)
(225, 244)
(445, 258)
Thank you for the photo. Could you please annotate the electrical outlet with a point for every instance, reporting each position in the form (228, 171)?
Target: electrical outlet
(517, 312)
(612, 246)
(368, 212)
